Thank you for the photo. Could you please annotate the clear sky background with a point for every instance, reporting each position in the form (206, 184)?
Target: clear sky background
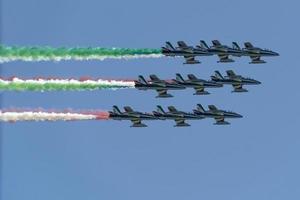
(256, 157)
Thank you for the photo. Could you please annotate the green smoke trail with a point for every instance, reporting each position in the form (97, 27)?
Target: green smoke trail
(62, 85)
(13, 53)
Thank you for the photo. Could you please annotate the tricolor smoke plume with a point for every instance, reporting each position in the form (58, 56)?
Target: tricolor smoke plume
(16, 84)
(13, 53)
(27, 115)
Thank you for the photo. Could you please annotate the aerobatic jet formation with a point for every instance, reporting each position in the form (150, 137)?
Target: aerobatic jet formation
(237, 81)
(178, 116)
(198, 84)
(215, 113)
(224, 52)
(134, 116)
(172, 113)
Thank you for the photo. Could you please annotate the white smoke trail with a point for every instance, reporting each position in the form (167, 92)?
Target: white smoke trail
(43, 116)
(78, 58)
(40, 81)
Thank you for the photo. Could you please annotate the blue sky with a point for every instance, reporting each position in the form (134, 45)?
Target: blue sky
(254, 158)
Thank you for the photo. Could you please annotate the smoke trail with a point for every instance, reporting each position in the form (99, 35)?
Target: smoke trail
(62, 84)
(14, 53)
(13, 116)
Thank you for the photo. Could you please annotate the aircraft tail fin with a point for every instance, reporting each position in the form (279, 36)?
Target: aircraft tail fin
(236, 46)
(128, 109)
(203, 44)
(230, 73)
(218, 75)
(179, 78)
(116, 109)
(169, 46)
(142, 80)
(212, 107)
(160, 109)
(216, 43)
(192, 77)
(200, 108)
(182, 44)
(153, 77)
(248, 45)
(172, 109)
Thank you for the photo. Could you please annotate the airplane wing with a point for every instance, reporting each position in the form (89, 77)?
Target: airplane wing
(136, 122)
(256, 59)
(221, 121)
(163, 93)
(199, 89)
(181, 122)
(190, 60)
(237, 86)
(224, 57)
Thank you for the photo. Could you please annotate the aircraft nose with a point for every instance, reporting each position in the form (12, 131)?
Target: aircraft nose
(238, 115)
(257, 82)
(274, 53)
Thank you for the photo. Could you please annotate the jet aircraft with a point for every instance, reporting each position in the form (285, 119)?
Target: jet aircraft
(217, 114)
(198, 84)
(222, 51)
(188, 52)
(174, 114)
(237, 81)
(134, 116)
(161, 86)
(256, 53)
